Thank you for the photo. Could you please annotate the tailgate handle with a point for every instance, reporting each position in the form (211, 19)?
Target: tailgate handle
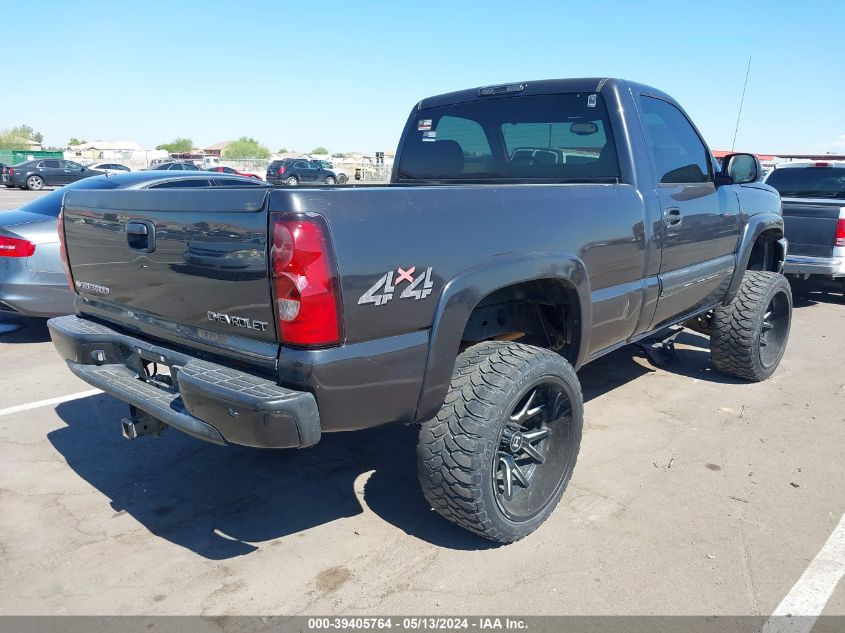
(141, 235)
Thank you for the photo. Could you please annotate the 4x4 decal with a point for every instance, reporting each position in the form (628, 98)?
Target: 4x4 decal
(382, 291)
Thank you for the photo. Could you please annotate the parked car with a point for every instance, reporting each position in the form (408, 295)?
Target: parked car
(813, 195)
(35, 174)
(221, 169)
(340, 171)
(109, 168)
(463, 300)
(293, 171)
(174, 165)
(4, 175)
(32, 279)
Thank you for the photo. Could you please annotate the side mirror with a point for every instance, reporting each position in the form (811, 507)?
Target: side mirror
(741, 168)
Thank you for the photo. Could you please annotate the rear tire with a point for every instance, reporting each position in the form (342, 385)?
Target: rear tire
(498, 456)
(330, 180)
(293, 181)
(342, 179)
(749, 335)
(35, 183)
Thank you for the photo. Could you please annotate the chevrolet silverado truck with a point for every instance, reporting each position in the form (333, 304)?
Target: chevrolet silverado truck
(813, 195)
(462, 297)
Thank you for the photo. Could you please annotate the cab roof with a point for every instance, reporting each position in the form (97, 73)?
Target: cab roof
(531, 88)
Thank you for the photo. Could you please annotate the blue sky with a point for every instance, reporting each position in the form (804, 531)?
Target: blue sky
(345, 74)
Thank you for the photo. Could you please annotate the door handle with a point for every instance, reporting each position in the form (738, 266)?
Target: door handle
(141, 236)
(673, 216)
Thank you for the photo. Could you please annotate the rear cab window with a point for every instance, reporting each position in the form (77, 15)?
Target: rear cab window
(531, 139)
(809, 182)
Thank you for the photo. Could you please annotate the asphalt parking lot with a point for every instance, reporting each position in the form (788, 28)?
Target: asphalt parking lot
(694, 493)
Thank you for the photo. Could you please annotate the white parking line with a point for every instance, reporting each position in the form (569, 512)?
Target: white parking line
(48, 402)
(808, 597)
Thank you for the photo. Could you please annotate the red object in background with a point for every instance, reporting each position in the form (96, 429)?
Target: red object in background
(221, 170)
(840, 233)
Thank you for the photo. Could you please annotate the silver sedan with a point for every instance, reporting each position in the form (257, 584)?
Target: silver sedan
(33, 281)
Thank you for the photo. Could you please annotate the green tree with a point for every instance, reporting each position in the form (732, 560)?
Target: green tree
(19, 137)
(75, 141)
(177, 146)
(319, 150)
(245, 147)
(25, 131)
(340, 155)
(284, 150)
(11, 139)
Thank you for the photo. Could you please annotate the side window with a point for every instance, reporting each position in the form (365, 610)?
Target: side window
(182, 184)
(175, 167)
(51, 164)
(300, 164)
(231, 182)
(677, 151)
(69, 164)
(190, 167)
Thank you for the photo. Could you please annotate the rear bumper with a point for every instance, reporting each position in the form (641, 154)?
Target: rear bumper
(207, 401)
(805, 265)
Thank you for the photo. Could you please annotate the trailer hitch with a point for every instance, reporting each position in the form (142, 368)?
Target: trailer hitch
(140, 423)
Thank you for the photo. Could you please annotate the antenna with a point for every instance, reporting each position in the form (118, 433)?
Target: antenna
(741, 101)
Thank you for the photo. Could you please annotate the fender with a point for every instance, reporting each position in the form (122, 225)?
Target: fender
(462, 294)
(756, 225)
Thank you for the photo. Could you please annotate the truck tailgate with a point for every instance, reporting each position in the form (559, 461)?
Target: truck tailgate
(810, 226)
(196, 259)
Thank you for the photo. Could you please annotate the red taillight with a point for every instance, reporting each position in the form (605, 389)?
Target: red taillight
(305, 285)
(281, 170)
(15, 247)
(11, 171)
(820, 164)
(60, 225)
(840, 231)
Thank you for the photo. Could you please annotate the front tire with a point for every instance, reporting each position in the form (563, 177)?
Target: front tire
(35, 183)
(498, 456)
(749, 335)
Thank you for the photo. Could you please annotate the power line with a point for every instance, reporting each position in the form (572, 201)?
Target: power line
(741, 101)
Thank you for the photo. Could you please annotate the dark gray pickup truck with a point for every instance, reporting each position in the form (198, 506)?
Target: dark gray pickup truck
(813, 194)
(528, 229)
